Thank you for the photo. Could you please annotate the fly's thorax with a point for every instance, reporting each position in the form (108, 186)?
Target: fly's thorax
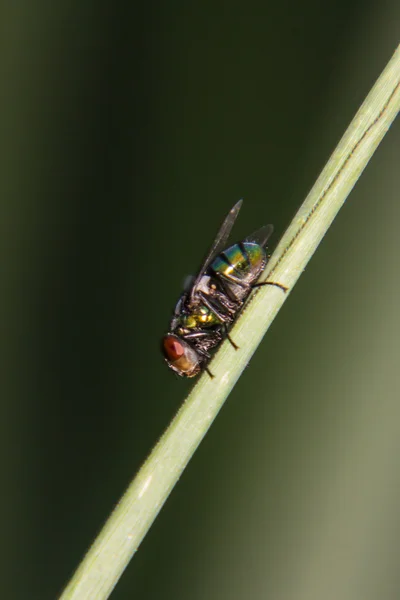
(198, 317)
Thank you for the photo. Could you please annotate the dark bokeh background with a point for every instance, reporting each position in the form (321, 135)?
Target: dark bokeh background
(127, 132)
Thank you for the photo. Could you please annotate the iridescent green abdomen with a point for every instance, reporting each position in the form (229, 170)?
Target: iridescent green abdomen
(244, 261)
(239, 267)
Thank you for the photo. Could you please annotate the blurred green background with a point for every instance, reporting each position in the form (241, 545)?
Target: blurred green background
(128, 132)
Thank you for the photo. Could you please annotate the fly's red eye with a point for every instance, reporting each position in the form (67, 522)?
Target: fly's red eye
(181, 357)
(173, 348)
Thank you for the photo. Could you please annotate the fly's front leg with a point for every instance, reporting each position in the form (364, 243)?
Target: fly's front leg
(211, 376)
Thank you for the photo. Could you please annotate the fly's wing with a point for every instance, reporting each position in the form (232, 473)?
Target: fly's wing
(218, 244)
(261, 236)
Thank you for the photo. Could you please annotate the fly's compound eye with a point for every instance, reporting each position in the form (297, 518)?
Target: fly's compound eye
(180, 356)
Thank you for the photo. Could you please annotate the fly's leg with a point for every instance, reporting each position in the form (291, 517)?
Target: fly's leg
(231, 278)
(211, 306)
(278, 285)
(209, 373)
(221, 317)
(208, 357)
(196, 335)
(204, 353)
(229, 337)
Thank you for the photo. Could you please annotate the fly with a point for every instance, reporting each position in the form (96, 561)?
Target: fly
(212, 302)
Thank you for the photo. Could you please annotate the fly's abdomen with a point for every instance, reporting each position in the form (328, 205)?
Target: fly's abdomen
(239, 267)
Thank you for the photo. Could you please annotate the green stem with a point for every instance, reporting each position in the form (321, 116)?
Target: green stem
(136, 511)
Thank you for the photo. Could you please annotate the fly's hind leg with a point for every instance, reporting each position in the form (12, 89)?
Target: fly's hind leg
(278, 285)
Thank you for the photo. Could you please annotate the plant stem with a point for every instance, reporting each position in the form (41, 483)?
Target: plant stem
(136, 511)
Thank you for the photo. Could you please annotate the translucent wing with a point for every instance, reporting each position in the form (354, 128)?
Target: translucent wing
(219, 243)
(261, 236)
